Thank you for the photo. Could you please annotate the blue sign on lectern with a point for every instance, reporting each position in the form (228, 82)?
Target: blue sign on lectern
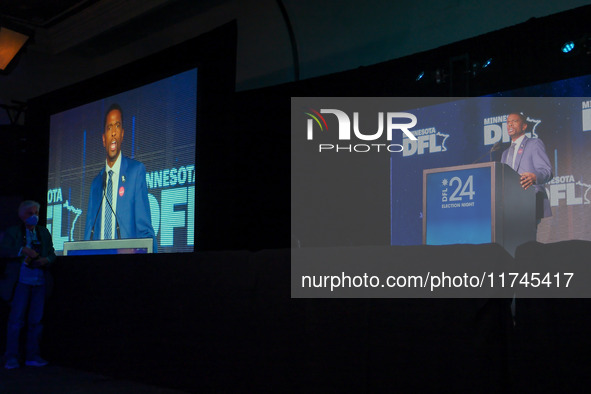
(475, 204)
(458, 207)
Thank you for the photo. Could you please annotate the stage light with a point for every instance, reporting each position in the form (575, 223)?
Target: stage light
(10, 43)
(567, 47)
(420, 76)
(440, 76)
(478, 67)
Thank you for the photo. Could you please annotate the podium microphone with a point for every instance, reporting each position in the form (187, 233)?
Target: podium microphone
(110, 206)
(116, 219)
(494, 148)
(99, 208)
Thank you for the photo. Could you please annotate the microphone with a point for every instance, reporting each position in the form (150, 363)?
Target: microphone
(116, 220)
(99, 208)
(494, 148)
(110, 206)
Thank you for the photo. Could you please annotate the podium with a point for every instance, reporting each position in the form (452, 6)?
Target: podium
(109, 246)
(477, 203)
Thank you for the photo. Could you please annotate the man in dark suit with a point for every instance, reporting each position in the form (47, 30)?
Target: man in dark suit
(528, 157)
(118, 204)
(26, 282)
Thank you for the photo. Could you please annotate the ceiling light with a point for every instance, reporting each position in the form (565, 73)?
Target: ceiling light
(567, 47)
(10, 43)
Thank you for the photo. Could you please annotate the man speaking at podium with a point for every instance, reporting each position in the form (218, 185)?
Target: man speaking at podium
(118, 204)
(528, 157)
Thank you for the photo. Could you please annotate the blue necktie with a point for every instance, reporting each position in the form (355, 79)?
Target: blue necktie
(510, 155)
(108, 213)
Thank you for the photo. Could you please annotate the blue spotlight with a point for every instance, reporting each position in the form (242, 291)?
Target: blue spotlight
(487, 62)
(420, 76)
(567, 47)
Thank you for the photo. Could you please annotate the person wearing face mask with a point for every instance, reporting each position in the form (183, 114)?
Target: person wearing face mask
(25, 285)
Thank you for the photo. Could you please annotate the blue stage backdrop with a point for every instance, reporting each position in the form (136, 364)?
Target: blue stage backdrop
(463, 131)
(159, 120)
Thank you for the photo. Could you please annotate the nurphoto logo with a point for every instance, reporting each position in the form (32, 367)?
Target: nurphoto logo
(393, 121)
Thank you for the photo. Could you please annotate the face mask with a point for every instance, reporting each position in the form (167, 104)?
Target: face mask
(32, 220)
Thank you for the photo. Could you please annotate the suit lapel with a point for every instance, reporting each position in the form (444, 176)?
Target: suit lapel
(122, 178)
(504, 156)
(519, 152)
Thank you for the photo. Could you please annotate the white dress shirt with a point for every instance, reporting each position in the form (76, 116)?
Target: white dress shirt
(106, 209)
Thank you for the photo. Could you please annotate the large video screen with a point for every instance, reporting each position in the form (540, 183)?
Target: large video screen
(146, 136)
(464, 131)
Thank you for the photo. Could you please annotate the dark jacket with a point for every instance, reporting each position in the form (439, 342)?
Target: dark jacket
(14, 239)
